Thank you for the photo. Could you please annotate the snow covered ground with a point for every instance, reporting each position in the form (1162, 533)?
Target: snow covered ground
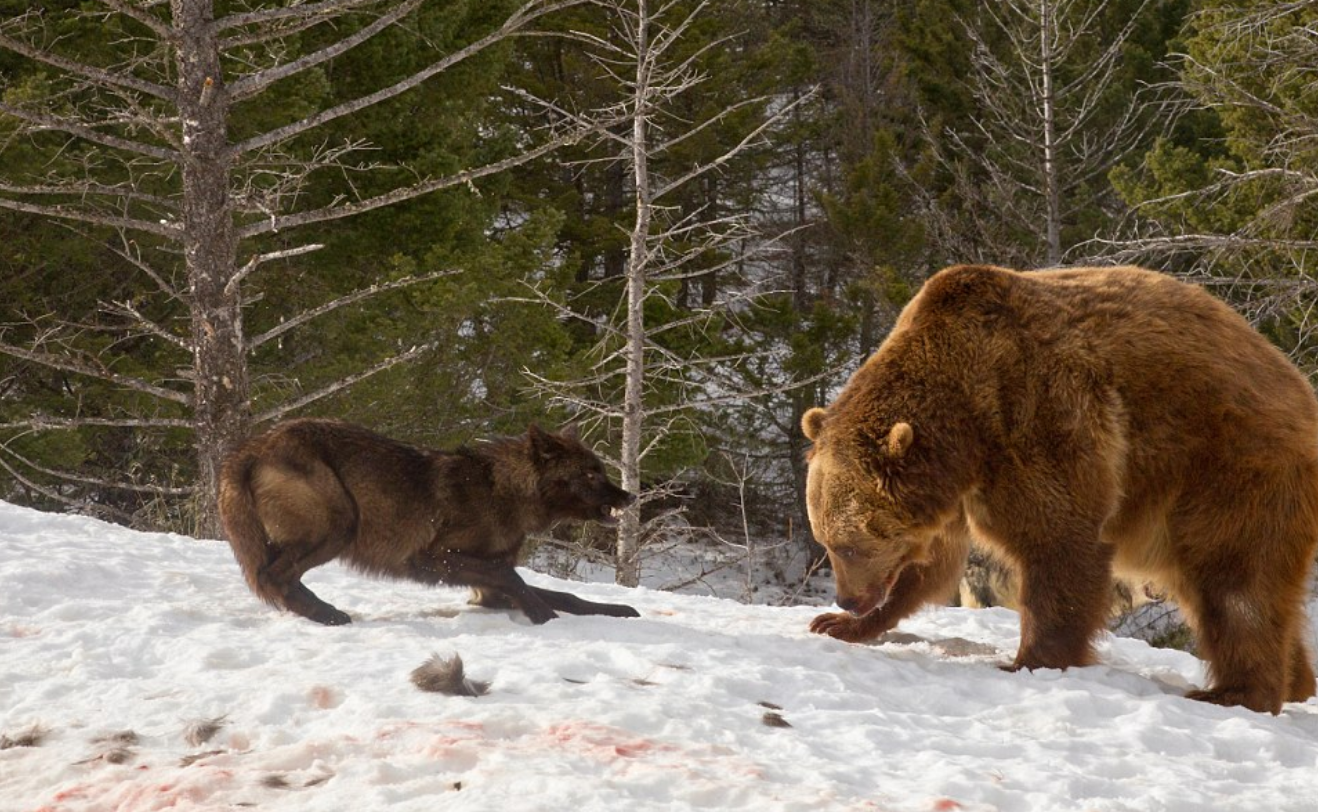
(116, 647)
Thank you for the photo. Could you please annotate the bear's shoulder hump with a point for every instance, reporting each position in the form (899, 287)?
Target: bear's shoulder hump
(965, 287)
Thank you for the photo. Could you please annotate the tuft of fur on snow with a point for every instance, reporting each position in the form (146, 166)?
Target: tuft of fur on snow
(189, 760)
(32, 737)
(115, 748)
(199, 731)
(446, 676)
(774, 719)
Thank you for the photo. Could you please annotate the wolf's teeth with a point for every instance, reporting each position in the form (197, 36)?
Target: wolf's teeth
(615, 512)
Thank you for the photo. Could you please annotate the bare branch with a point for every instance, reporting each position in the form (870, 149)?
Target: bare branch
(83, 367)
(97, 75)
(70, 476)
(323, 10)
(257, 261)
(254, 83)
(46, 121)
(59, 497)
(172, 231)
(344, 383)
(127, 310)
(524, 16)
(131, 253)
(750, 138)
(401, 194)
(41, 422)
(87, 189)
(355, 296)
(159, 27)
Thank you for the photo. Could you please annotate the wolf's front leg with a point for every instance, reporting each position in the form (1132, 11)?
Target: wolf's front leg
(498, 576)
(566, 602)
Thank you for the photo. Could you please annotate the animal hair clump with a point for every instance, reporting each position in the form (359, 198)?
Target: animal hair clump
(31, 737)
(447, 676)
(200, 731)
(115, 748)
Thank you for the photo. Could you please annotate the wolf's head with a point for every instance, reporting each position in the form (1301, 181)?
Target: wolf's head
(572, 481)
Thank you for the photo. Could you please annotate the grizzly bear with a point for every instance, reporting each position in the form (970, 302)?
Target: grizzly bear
(1077, 423)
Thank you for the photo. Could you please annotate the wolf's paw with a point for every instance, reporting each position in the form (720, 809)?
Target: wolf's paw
(617, 610)
(329, 616)
(539, 614)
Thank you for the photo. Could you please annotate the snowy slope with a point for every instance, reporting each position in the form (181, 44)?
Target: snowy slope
(116, 643)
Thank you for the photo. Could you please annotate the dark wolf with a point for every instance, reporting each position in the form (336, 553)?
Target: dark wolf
(310, 491)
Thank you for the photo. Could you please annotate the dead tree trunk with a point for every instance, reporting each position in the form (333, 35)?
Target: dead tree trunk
(221, 401)
(1051, 187)
(629, 531)
(209, 209)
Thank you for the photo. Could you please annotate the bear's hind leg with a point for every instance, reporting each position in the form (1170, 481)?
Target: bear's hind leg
(1301, 685)
(1248, 645)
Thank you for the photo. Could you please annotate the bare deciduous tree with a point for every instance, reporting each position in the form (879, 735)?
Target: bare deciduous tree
(638, 381)
(1043, 74)
(147, 152)
(1242, 222)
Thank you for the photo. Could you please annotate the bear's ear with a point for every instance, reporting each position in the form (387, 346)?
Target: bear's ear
(812, 422)
(899, 440)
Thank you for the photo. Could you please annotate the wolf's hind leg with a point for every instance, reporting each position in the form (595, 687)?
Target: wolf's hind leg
(490, 599)
(299, 599)
(284, 577)
(288, 564)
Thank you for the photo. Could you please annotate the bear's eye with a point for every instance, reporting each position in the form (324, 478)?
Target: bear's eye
(847, 553)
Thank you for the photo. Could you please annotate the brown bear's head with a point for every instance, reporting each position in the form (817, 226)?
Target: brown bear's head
(857, 513)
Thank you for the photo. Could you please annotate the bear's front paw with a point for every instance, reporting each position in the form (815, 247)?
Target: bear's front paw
(843, 626)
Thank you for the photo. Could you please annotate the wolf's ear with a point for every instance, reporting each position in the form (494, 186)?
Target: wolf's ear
(570, 432)
(544, 446)
(812, 422)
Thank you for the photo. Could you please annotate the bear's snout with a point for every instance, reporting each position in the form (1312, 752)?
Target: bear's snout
(849, 604)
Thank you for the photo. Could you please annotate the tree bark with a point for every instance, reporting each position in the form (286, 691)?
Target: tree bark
(629, 530)
(1052, 186)
(221, 396)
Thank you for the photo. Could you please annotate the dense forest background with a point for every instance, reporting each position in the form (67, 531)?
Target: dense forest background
(446, 220)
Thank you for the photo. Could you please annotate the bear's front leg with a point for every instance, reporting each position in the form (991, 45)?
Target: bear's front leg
(1066, 590)
(917, 585)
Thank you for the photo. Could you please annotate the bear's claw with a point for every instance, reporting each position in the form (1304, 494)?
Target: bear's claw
(842, 625)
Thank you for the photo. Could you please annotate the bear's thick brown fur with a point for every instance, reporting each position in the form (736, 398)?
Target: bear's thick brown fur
(1077, 422)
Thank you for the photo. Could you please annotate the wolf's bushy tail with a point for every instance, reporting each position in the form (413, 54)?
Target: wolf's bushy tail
(243, 528)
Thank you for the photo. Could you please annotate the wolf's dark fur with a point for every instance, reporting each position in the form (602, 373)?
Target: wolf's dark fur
(310, 491)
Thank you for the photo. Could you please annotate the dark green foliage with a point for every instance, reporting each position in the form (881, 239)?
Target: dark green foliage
(1228, 196)
(855, 197)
